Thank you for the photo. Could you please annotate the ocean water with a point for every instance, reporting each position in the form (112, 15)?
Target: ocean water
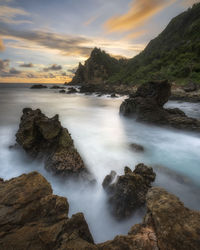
(103, 138)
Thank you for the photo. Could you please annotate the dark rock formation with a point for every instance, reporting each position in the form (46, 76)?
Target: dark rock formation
(167, 225)
(71, 90)
(136, 147)
(147, 106)
(38, 86)
(176, 227)
(31, 217)
(44, 137)
(129, 191)
(57, 87)
(113, 95)
(96, 69)
(62, 91)
(190, 87)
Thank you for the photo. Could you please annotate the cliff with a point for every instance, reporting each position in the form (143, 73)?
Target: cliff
(173, 55)
(97, 69)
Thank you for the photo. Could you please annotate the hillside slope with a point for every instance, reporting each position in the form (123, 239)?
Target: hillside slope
(174, 54)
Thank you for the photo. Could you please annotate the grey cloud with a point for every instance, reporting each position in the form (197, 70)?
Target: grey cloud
(69, 45)
(14, 71)
(4, 64)
(72, 70)
(26, 65)
(6, 71)
(54, 67)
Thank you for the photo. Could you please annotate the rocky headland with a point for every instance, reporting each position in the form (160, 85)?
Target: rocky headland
(147, 106)
(31, 217)
(45, 138)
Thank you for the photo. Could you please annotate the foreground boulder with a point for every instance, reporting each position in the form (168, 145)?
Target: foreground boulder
(45, 138)
(31, 217)
(167, 225)
(128, 192)
(147, 106)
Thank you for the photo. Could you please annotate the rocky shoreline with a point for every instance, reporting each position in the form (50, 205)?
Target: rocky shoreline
(146, 105)
(177, 92)
(31, 217)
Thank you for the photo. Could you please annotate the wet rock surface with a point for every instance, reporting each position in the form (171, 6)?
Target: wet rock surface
(147, 106)
(45, 138)
(128, 192)
(166, 225)
(137, 147)
(38, 86)
(31, 217)
(71, 90)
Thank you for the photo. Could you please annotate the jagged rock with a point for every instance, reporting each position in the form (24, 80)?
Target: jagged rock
(109, 179)
(141, 238)
(176, 227)
(129, 191)
(190, 87)
(147, 106)
(38, 86)
(31, 217)
(136, 147)
(45, 138)
(96, 69)
(57, 87)
(113, 95)
(62, 91)
(166, 225)
(71, 90)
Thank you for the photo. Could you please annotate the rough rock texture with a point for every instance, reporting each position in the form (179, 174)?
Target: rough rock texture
(147, 106)
(129, 191)
(190, 87)
(168, 225)
(71, 90)
(31, 217)
(176, 227)
(44, 137)
(96, 69)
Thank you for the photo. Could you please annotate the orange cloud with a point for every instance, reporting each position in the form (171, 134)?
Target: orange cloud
(2, 47)
(140, 11)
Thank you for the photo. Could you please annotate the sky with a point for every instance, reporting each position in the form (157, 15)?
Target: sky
(42, 41)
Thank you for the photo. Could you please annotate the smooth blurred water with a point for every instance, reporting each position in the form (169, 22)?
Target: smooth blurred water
(103, 139)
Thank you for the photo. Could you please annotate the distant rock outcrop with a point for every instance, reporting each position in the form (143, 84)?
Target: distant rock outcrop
(38, 86)
(31, 217)
(128, 192)
(45, 138)
(97, 69)
(147, 106)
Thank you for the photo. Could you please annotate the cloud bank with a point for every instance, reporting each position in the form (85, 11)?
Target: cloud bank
(140, 11)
